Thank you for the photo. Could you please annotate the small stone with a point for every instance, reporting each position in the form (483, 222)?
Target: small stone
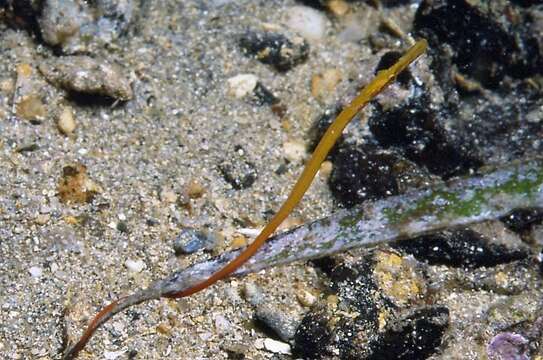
(61, 20)
(238, 241)
(294, 150)
(75, 186)
(508, 345)
(164, 329)
(277, 321)
(306, 298)
(113, 355)
(85, 75)
(324, 84)
(168, 195)
(326, 169)
(134, 265)
(35, 271)
(42, 219)
(283, 50)
(237, 170)
(338, 7)
(31, 108)
(253, 293)
(308, 22)
(191, 240)
(276, 347)
(222, 325)
(195, 190)
(241, 85)
(66, 122)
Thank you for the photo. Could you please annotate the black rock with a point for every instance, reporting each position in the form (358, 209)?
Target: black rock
(363, 173)
(482, 39)
(523, 219)
(460, 248)
(312, 336)
(263, 96)
(415, 336)
(191, 240)
(237, 170)
(275, 48)
(415, 129)
(355, 288)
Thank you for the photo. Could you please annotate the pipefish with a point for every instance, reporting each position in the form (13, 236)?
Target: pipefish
(167, 289)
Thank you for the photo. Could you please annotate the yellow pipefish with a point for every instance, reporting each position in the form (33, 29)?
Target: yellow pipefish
(381, 80)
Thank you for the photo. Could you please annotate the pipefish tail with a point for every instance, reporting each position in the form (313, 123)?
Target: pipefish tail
(328, 140)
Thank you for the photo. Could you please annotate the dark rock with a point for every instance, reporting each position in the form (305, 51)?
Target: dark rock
(415, 129)
(460, 248)
(354, 286)
(276, 49)
(190, 241)
(523, 219)
(312, 336)
(481, 37)
(276, 321)
(415, 336)
(263, 96)
(21, 13)
(122, 227)
(363, 173)
(237, 170)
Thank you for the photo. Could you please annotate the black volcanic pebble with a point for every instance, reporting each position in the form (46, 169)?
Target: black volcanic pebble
(482, 39)
(263, 96)
(237, 170)
(362, 173)
(523, 219)
(415, 336)
(459, 248)
(275, 48)
(414, 128)
(312, 336)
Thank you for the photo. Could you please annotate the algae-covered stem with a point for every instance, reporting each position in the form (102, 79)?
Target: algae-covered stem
(381, 80)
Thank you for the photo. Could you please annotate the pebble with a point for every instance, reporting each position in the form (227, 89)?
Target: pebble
(32, 108)
(308, 22)
(508, 345)
(134, 265)
(75, 186)
(324, 84)
(282, 50)
(168, 195)
(306, 298)
(277, 321)
(276, 347)
(35, 271)
(237, 170)
(338, 7)
(66, 122)
(191, 240)
(84, 26)
(195, 190)
(241, 85)
(252, 293)
(294, 150)
(85, 75)
(42, 219)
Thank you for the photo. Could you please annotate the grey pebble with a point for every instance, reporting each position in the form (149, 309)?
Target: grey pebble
(83, 74)
(191, 240)
(277, 321)
(81, 26)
